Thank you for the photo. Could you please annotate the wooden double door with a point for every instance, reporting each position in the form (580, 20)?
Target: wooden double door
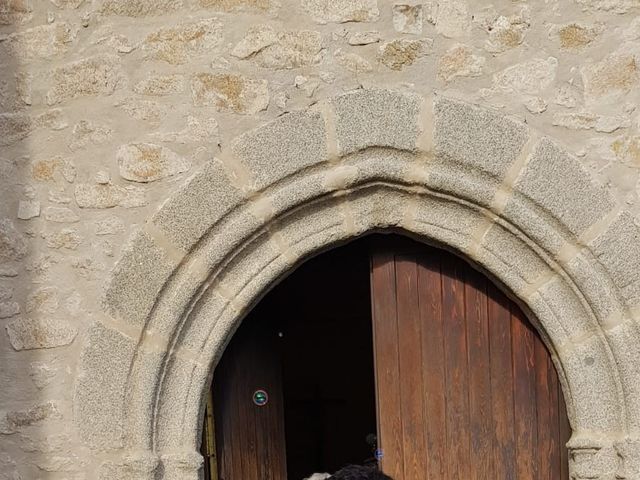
(464, 387)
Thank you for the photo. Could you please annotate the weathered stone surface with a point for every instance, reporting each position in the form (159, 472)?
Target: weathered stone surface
(136, 279)
(618, 248)
(176, 45)
(52, 170)
(13, 245)
(14, 127)
(9, 309)
(28, 333)
(291, 142)
(42, 373)
(587, 121)
(60, 215)
(459, 61)
(352, 61)
(6, 292)
(138, 466)
(108, 196)
(614, 6)
(98, 75)
(139, 8)
(101, 386)
(146, 162)
(231, 5)
(280, 50)
(15, 11)
(14, 421)
(452, 18)
(407, 18)
(6, 271)
(110, 225)
(339, 11)
(28, 209)
(42, 42)
(558, 184)
(207, 197)
(477, 137)
(230, 93)
(195, 131)
(67, 4)
(574, 36)
(147, 110)
(612, 76)
(43, 300)
(67, 238)
(364, 38)
(401, 53)
(380, 118)
(87, 133)
(506, 33)
(535, 104)
(527, 78)
(160, 85)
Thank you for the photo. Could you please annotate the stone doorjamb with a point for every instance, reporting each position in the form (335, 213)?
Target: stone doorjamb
(467, 178)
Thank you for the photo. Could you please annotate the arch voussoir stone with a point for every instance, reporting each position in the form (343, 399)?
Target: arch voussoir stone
(446, 172)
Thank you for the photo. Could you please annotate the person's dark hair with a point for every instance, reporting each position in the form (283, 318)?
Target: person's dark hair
(358, 472)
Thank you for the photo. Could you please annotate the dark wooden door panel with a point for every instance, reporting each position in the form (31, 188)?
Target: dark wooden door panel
(466, 389)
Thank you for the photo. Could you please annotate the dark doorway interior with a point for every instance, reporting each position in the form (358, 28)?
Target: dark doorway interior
(310, 338)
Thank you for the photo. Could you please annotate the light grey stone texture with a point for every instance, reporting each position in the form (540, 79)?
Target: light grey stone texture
(510, 259)
(380, 164)
(557, 183)
(37, 333)
(445, 221)
(480, 138)
(591, 379)
(629, 450)
(596, 286)
(137, 279)
(625, 343)
(202, 202)
(206, 315)
(290, 143)
(310, 222)
(300, 192)
(184, 465)
(567, 309)
(461, 181)
(376, 118)
(100, 394)
(138, 466)
(592, 456)
(618, 249)
(378, 207)
(144, 381)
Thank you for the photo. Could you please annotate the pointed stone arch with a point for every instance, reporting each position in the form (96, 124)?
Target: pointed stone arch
(446, 172)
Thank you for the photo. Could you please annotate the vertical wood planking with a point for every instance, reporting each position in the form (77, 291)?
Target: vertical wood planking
(430, 294)
(504, 447)
(410, 358)
(480, 413)
(456, 365)
(524, 374)
(565, 434)
(385, 332)
(545, 406)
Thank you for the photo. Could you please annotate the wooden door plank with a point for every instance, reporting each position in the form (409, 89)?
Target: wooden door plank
(385, 334)
(456, 366)
(523, 351)
(565, 434)
(476, 311)
(504, 447)
(410, 360)
(430, 294)
(546, 403)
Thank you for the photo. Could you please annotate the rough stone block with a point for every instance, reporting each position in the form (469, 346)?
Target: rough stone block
(29, 334)
(101, 387)
(510, 259)
(184, 465)
(144, 379)
(282, 147)
(462, 181)
(209, 310)
(591, 379)
(378, 208)
(380, 164)
(207, 197)
(557, 183)
(381, 118)
(478, 137)
(140, 466)
(618, 248)
(136, 279)
(300, 192)
(446, 222)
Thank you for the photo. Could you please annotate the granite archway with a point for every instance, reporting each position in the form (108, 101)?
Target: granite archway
(443, 171)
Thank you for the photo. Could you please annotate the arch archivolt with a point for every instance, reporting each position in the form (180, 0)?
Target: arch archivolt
(466, 178)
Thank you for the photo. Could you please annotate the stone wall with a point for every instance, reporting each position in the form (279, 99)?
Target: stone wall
(107, 107)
